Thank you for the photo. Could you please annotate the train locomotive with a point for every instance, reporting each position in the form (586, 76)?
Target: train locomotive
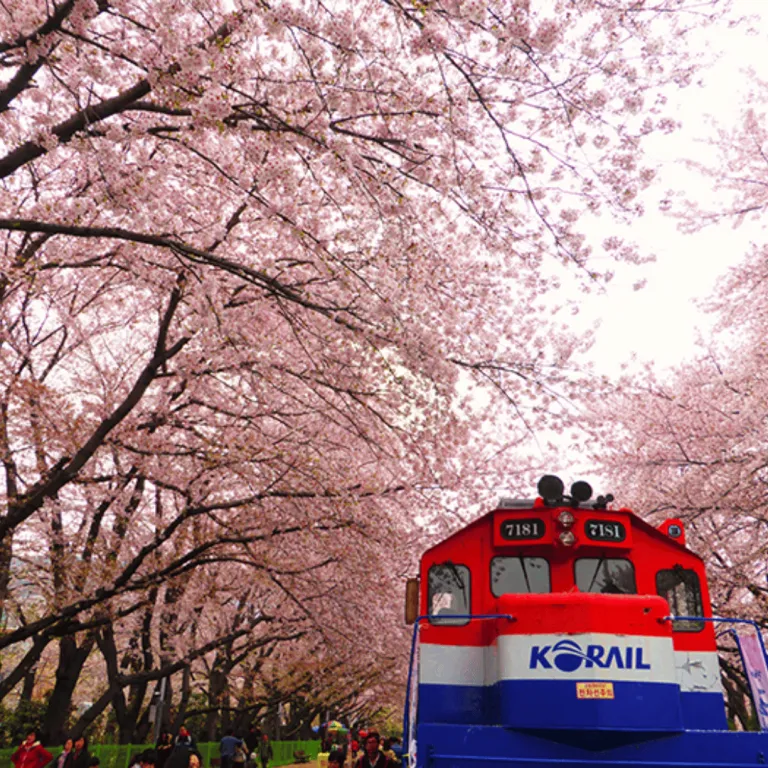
(559, 630)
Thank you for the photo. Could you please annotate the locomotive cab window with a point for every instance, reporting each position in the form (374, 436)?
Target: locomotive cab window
(448, 593)
(519, 575)
(680, 587)
(609, 575)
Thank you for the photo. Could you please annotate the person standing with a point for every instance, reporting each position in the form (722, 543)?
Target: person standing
(163, 748)
(80, 756)
(228, 745)
(252, 739)
(182, 757)
(31, 753)
(64, 759)
(240, 757)
(265, 751)
(184, 738)
(372, 757)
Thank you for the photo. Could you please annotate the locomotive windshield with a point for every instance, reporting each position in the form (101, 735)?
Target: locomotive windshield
(449, 592)
(681, 589)
(609, 575)
(519, 575)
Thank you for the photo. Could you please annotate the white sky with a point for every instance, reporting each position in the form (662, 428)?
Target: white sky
(660, 322)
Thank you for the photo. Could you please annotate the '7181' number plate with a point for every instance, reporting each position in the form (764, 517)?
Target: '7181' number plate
(605, 530)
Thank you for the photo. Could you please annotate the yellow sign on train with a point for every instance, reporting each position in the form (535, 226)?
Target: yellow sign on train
(594, 691)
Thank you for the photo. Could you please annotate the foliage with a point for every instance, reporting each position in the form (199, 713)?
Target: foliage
(17, 722)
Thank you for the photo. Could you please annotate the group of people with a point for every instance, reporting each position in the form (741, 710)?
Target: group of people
(243, 752)
(181, 751)
(378, 752)
(170, 751)
(32, 754)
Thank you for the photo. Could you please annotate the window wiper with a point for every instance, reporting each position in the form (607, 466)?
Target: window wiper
(454, 571)
(525, 574)
(597, 571)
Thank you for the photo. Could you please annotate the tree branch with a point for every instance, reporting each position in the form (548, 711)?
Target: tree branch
(24, 505)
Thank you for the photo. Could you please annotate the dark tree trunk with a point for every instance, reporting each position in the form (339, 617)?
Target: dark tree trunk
(71, 661)
(272, 721)
(126, 723)
(133, 713)
(91, 714)
(5, 571)
(299, 727)
(138, 691)
(186, 689)
(24, 667)
(217, 686)
(11, 490)
(29, 684)
(141, 732)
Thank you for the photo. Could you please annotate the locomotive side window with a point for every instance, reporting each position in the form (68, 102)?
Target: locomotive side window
(519, 575)
(448, 593)
(609, 575)
(681, 589)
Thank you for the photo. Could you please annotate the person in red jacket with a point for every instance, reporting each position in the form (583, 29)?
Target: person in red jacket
(31, 753)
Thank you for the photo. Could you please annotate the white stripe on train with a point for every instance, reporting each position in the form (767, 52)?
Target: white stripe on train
(583, 657)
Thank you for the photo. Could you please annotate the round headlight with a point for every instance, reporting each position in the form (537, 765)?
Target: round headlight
(567, 539)
(566, 518)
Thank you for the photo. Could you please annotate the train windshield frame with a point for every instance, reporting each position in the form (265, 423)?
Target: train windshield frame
(511, 575)
(449, 593)
(606, 575)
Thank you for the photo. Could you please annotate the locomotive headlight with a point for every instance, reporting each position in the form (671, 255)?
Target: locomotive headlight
(566, 519)
(567, 538)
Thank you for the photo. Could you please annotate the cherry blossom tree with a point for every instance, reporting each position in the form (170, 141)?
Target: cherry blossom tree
(258, 261)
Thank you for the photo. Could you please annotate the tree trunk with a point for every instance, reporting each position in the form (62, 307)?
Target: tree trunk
(272, 721)
(71, 661)
(141, 731)
(29, 684)
(5, 574)
(186, 689)
(299, 726)
(23, 668)
(217, 683)
(91, 714)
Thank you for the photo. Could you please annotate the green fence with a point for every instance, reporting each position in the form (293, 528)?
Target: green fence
(119, 755)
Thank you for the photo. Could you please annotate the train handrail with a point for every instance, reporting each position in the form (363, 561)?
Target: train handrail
(416, 623)
(725, 620)
(758, 632)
